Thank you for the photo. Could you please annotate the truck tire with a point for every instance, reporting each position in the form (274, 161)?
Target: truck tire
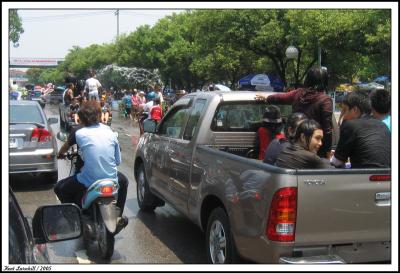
(146, 200)
(220, 247)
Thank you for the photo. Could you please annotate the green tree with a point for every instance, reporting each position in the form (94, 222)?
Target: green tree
(51, 75)
(195, 47)
(33, 75)
(15, 26)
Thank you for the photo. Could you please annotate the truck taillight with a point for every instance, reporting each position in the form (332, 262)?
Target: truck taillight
(40, 135)
(378, 178)
(282, 215)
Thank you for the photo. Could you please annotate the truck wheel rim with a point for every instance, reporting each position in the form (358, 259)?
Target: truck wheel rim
(217, 243)
(141, 186)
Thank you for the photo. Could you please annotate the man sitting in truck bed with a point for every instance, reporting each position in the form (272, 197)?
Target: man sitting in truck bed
(363, 139)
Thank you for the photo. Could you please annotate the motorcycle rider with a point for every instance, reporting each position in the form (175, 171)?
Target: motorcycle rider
(100, 156)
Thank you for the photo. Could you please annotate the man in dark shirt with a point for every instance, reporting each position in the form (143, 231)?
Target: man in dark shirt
(363, 139)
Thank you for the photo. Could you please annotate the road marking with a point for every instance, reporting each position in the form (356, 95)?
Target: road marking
(82, 257)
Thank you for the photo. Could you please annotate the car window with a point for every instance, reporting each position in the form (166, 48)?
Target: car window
(174, 123)
(242, 116)
(25, 113)
(194, 117)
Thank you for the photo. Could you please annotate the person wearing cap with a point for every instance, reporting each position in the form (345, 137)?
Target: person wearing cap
(270, 129)
(141, 100)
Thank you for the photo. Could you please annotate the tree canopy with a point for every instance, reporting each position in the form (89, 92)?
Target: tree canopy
(193, 48)
(15, 28)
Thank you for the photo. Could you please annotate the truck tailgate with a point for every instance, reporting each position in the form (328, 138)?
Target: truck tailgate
(343, 207)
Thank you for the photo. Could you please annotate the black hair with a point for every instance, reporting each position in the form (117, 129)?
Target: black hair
(380, 101)
(316, 78)
(358, 99)
(307, 128)
(69, 85)
(90, 113)
(92, 72)
(156, 100)
(292, 122)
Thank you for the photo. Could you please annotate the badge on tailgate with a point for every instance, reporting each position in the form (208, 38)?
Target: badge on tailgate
(382, 198)
(314, 182)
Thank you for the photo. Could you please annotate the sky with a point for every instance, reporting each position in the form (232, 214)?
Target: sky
(52, 33)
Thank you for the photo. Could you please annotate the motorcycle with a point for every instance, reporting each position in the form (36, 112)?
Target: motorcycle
(99, 211)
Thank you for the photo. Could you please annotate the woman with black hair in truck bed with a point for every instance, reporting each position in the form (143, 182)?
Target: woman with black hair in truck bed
(302, 153)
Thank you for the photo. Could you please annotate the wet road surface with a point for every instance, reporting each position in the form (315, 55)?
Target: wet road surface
(162, 237)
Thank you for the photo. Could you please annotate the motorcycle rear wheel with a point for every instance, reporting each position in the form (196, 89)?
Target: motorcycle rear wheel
(105, 239)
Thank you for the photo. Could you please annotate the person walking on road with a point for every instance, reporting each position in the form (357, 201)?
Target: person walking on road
(92, 85)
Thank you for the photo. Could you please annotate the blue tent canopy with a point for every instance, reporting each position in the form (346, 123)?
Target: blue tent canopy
(383, 78)
(274, 81)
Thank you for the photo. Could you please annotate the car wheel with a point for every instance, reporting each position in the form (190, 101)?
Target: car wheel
(220, 246)
(146, 200)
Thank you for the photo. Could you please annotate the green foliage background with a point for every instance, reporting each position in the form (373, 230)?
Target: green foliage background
(193, 48)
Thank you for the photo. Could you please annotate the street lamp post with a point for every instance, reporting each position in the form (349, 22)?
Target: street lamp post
(292, 53)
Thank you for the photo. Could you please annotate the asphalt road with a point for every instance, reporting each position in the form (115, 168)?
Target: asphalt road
(162, 237)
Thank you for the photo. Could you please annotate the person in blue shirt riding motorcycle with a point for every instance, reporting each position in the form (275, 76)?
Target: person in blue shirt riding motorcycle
(100, 153)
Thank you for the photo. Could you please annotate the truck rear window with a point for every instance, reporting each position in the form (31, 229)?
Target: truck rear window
(242, 116)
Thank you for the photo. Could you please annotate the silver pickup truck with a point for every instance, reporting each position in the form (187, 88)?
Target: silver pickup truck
(201, 160)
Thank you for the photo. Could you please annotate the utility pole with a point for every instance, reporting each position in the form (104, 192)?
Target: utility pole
(117, 13)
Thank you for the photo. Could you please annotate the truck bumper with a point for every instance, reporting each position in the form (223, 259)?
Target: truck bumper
(322, 259)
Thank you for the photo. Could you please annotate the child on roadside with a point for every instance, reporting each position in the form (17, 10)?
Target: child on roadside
(74, 107)
(156, 112)
(105, 112)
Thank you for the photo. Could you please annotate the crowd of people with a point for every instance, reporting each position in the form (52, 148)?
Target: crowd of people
(303, 142)
(365, 130)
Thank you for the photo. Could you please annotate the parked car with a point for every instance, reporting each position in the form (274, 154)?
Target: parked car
(200, 159)
(27, 244)
(33, 147)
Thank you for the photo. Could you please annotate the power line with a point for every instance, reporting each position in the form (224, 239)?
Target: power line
(80, 15)
(63, 16)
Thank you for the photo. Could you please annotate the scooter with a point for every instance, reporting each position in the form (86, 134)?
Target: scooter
(99, 212)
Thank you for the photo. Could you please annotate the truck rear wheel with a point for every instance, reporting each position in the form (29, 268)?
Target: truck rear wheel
(146, 200)
(220, 246)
